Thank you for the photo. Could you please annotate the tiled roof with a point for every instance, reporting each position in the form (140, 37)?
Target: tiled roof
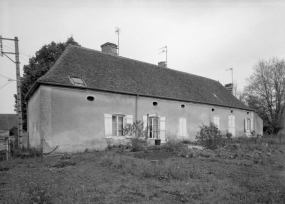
(7, 121)
(103, 71)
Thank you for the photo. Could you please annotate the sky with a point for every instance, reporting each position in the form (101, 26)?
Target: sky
(202, 37)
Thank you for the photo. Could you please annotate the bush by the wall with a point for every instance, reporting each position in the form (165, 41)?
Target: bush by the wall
(210, 136)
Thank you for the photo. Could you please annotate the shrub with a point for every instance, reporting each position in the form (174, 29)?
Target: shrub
(139, 135)
(210, 136)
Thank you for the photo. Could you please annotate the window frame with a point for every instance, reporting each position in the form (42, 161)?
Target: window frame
(75, 83)
(116, 129)
(151, 129)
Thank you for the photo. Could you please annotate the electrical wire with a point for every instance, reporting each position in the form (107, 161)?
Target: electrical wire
(5, 85)
(11, 49)
(4, 76)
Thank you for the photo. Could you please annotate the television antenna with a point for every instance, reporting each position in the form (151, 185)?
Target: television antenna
(164, 49)
(118, 32)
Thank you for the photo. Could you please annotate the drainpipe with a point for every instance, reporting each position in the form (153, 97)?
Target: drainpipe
(136, 112)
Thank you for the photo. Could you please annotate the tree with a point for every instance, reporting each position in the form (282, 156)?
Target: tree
(37, 67)
(265, 92)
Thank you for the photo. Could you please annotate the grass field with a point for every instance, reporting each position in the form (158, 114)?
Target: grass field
(236, 175)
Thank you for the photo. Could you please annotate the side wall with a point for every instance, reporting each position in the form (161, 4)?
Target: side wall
(34, 119)
(67, 120)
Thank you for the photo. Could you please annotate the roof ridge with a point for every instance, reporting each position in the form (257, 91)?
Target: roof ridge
(57, 61)
(171, 69)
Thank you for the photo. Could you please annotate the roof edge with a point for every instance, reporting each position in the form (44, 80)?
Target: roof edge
(136, 94)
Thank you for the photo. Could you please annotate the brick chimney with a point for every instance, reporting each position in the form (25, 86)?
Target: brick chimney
(109, 48)
(162, 64)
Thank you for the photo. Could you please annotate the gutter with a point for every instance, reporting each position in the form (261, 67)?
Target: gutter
(38, 83)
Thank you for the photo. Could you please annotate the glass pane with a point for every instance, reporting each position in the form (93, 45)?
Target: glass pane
(120, 127)
(114, 132)
(155, 121)
(120, 133)
(114, 119)
(150, 134)
(77, 80)
(155, 134)
(120, 119)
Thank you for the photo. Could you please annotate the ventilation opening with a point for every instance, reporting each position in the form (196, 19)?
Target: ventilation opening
(90, 98)
(155, 103)
(213, 109)
(232, 111)
(182, 106)
(247, 113)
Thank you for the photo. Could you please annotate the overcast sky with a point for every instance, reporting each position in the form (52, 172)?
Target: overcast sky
(203, 37)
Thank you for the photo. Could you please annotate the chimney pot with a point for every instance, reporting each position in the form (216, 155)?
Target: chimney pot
(109, 48)
(162, 64)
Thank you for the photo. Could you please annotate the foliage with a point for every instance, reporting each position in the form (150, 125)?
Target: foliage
(37, 67)
(265, 92)
(210, 136)
(139, 135)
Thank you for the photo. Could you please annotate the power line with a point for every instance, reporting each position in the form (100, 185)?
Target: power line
(5, 84)
(5, 76)
(14, 50)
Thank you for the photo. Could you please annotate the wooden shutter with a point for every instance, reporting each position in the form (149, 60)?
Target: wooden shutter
(230, 124)
(180, 127)
(245, 125)
(251, 124)
(184, 127)
(129, 119)
(162, 129)
(234, 125)
(108, 124)
(144, 122)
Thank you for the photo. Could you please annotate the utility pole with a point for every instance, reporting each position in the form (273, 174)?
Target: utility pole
(18, 81)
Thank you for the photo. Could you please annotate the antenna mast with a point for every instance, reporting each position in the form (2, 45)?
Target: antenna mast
(118, 31)
(164, 49)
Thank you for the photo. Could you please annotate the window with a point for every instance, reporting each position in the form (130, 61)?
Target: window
(182, 127)
(114, 124)
(247, 125)
(77, 81)
(153, 127)
(90, 98)
(117, 125)
(216, 121)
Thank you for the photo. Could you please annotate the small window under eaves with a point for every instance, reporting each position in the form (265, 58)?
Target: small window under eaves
(77, 81)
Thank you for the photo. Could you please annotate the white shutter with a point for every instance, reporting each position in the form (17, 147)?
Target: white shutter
(108, 124)
(144, 122)
(184, 127)
(234, 126)
(180, 127)
(217, 121)
(245, 125)
(230, 124)
(251, 123)
(129, 119)
(162, 129)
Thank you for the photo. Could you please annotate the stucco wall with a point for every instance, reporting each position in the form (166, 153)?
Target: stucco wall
(34, 115)
(195, 115)
(71, 122)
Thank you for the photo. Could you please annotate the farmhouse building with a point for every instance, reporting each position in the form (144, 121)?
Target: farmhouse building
(88, 96)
